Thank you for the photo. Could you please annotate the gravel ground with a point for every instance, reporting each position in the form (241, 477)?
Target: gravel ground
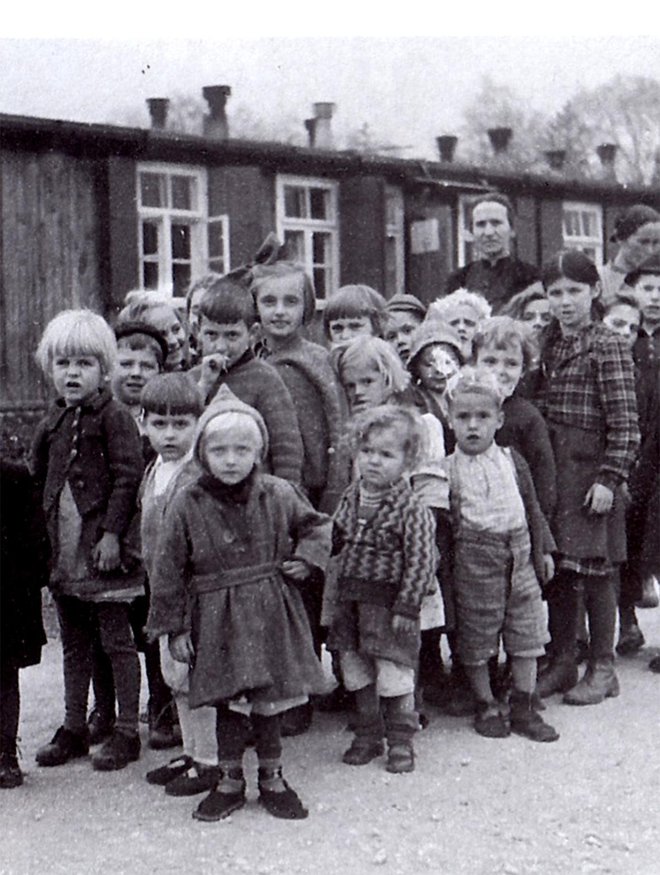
(586, 804)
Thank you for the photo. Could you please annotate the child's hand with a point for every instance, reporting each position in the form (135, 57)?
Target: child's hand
(403, 625)
(106, 554)
(548, 568)
(599, 499)
(212, 365)
(181, 648)
(296, 569)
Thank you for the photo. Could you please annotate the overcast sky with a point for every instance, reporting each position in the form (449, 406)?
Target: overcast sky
(409, 89)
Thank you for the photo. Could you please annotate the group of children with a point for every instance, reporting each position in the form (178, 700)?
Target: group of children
(429, 473)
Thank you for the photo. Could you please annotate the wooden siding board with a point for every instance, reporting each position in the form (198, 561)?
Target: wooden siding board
(123, 229)
(362, 231)
(526, 247)
(49, 257)
(551, 228)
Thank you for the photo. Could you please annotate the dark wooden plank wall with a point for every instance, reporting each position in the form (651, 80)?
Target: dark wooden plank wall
(50, 258)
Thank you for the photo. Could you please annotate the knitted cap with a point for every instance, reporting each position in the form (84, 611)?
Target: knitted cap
(431, 332)
(649, 265)
(405, 304)
(226, 402)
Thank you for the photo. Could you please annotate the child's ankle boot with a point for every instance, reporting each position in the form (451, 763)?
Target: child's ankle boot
(227, 796)
(64, 746)
(560, 676)
(599, 682)
(368, 741)
(400, 730)
(525, 719)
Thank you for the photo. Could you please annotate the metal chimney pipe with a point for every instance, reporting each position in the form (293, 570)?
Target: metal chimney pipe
(500, 139)
(607, 154)
(310, 126)
(158, 109)
(446, 147)
(216, 124)
(323, 136)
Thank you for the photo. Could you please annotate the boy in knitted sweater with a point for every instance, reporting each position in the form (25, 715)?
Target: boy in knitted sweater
(227, 332)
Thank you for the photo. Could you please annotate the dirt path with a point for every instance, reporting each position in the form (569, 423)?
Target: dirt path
(587, 804)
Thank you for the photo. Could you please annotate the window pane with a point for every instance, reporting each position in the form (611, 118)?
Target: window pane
(319, 203)
(321, 248)
(180, 241)
(180, 279)
(149, 238)
(153, 190)
(184, 194)
(295, 205)
(321, 283)
(150, 274)
(295, 245)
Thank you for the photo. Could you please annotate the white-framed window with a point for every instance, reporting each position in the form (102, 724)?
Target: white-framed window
(394, 241)
(464, 241)
(177, 239)
(582, 228)
(307, 222)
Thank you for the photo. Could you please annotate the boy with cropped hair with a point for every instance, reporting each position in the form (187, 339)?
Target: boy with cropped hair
(227, 332)
(502, 554)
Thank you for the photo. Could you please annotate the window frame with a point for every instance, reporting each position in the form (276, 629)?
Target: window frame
(308, 226)
(579, 241)
(395, 229)
(164, 217)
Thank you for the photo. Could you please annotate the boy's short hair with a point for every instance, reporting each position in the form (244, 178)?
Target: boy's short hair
(354, 301)
(175, 394)
(373, 351)
(139, 336)
(390, 417)
(262, 273)
(77, 332)
(502, 332)
(498, 198)
(621, 299)
(472, 380)
(442, 307)
(227, 301)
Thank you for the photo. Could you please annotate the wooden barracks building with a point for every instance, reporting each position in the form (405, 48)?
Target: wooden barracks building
(92, 211)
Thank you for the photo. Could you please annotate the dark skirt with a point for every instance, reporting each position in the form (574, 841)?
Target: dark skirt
(253, 640)
(579, 533)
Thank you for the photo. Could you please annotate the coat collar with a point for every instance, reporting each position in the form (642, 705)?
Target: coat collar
(59, 409)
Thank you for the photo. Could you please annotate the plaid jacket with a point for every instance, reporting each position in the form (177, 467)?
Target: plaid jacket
(588, 382)
(391, 559)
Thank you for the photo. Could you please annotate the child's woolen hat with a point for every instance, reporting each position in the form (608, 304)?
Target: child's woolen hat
(226, 402)
(405, 304)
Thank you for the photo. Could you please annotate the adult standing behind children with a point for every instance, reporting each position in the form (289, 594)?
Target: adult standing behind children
(497, 274)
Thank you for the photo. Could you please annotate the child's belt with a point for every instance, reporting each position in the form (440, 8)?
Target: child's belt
(234, 577)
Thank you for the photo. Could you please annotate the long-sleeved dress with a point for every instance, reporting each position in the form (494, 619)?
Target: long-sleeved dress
(217, 574)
